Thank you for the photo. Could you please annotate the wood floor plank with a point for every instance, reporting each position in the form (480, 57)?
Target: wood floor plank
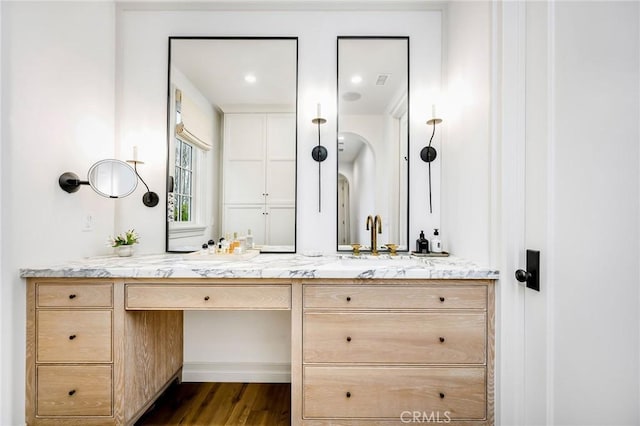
(221, 404)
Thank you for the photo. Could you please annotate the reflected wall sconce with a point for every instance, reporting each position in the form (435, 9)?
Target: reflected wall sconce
(429, 153)
(149, 199)
(319, 154)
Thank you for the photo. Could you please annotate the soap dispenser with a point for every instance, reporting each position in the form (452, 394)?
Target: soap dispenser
(436, 244)
(422, 244)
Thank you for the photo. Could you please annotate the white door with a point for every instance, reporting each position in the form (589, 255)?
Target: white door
(280, 167)
(523, 362)
(569, 354)
(243, 163)
(242, 217)
(281, 226)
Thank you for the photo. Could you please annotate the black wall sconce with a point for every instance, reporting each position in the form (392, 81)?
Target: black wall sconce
(429, 153)
(149, 199)
(319, 154)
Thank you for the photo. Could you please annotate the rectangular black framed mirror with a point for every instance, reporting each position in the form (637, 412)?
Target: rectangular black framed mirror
(232, 142)
(373, 141)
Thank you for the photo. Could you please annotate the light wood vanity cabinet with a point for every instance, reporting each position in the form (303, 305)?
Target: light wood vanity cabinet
(383, 352)
(88, 361)
(72, 362)
(364, 352)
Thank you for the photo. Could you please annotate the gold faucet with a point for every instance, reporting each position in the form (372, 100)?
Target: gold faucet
(373, 225)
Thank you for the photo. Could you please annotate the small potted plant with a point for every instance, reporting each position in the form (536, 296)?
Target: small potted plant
(123, 243)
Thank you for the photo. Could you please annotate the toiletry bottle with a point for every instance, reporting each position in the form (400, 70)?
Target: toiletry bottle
(422, 244)
(234, 243)
(212, 246)
(205, 249)
(249, 240)
(436, 244)
(225, 244)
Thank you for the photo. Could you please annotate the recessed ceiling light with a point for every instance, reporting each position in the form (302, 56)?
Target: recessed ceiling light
(250, 78)
(356, 79)
(351, 96)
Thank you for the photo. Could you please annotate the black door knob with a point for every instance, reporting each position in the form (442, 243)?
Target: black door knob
(522, 275)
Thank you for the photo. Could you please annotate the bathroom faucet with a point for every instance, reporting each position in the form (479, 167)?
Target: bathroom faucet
(373, 225)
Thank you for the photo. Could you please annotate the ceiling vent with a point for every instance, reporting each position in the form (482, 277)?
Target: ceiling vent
(381, 80)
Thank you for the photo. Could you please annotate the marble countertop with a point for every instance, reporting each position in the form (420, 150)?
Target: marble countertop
(266, 266)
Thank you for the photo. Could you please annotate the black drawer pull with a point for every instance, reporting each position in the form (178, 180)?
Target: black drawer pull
(348, 394)
(72, 296)
(441, 299)
(441, 395)
(348, 298)
(73, 336)
(442, 340)
(206, 298)
(348, 338)
(72, 392)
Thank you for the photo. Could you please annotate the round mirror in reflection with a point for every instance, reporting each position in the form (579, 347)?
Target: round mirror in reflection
(112, 178)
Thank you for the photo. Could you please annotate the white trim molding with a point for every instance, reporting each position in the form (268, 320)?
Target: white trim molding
(237, 372)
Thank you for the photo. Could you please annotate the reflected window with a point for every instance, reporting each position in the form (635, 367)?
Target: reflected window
(183, 173)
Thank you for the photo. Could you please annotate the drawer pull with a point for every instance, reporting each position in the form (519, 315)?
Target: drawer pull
(73, 336)
(441, 299)
(72, 392)
(441, 395)
(72, 296)
(206, 298)
(348, 298)
(442, 340)
(348, 338)
(348, 394)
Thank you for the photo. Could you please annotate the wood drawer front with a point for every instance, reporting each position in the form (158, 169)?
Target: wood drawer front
(220, 297)
(395, 337)
(74, 391)
(395, 297)
(73, 336)
(74, 295)
(387, 392)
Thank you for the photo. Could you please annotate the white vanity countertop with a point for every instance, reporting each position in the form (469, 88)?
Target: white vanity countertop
(266, 266)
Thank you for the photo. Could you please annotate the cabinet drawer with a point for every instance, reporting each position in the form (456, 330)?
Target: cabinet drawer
(73, 336)
(74, 391)
(387, 392)
(220, 297)
(74, 295)
(395, 297)
(405, 337)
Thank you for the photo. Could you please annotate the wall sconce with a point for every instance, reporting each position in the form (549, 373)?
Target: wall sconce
(149, 199)
(429, 153)
(319, 154)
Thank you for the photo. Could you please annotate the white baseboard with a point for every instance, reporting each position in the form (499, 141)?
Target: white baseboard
(245, 372)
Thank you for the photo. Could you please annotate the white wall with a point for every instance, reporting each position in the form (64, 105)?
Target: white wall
(377, 191)
(465, 152)
(58, 105)
(595, 194)
(141, 112)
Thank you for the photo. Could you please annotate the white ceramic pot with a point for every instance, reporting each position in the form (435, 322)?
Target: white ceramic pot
(124, 251)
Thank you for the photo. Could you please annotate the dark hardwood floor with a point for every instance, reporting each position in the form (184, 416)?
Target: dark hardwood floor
(251, 404)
